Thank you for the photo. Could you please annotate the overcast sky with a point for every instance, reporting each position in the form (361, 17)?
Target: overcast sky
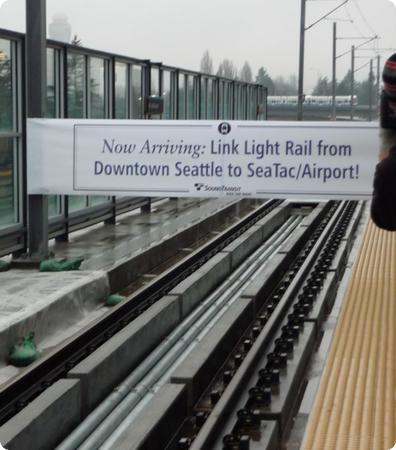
(262, 32)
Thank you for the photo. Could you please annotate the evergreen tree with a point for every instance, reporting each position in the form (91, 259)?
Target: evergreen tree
(344, 86)
(362, 90)
(323, 87)
(285, 87)
(264, 79)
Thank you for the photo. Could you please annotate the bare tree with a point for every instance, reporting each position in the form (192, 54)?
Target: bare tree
(206, 65)
(246, 73)
(227, 69)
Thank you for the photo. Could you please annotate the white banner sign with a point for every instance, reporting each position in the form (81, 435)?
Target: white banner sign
(202, 158)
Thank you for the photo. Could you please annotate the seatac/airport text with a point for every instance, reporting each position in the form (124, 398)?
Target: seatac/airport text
(212, 170)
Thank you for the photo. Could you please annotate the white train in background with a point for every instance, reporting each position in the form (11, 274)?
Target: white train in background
(319, 100)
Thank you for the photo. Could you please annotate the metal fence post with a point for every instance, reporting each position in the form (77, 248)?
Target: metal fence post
(36, 59)
(334, 78)
(301, 63)
(352, 80)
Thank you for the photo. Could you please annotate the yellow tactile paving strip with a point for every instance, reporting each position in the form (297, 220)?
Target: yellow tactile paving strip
(355, 407)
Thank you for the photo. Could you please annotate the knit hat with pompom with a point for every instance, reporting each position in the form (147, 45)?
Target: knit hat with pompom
(389, 77)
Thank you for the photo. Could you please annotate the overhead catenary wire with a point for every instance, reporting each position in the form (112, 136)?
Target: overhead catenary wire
(363, 66)
(353, 37)
(357, 46)
(352, 21)
(380, 50)
(338, 19)
(326, 15)
(363, 17)
(365, 21)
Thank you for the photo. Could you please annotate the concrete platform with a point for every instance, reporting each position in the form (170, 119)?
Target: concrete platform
(116, 358)
(38, 426)
(56, 305)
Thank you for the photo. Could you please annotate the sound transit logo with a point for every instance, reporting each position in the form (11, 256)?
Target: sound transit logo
(224, 128)
(217, 188)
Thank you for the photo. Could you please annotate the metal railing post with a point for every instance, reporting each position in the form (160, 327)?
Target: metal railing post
(352, 80)
(36, 66)
(301, 63)
(334, 82)
(371, 80)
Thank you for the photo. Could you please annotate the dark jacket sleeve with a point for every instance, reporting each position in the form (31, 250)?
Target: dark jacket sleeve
(387, 115)
(383, 205)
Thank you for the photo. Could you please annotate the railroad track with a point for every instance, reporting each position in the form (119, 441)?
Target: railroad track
(271, 358)
(276, 313)
(106, 426)
(247, 373)
(15, 395)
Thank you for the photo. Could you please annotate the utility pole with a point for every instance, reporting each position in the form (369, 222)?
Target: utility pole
(378, 88)
(36, 66)
(352, 79)
(303, 29)
(371, 79)
(301, 63)
(333, 86)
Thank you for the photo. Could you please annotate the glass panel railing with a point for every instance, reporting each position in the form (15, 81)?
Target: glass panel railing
(210, 100)
(136, 93)
(54, 205)
(190, 98)
(97, 110)
(97, 88)
(121, 91)
(8, 183)
(77, 202)
(203, 98)
(75, 85)
(167, 95)
(76, 106)
(154, 81)
(182, 97)
(50, 110)
(6, 87)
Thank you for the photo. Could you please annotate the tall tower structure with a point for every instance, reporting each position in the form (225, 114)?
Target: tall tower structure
(60, 29)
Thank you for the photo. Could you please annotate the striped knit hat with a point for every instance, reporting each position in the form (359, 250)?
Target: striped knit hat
(389, 77)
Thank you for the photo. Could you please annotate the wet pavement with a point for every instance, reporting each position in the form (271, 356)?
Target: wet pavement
(134, 232)
(55, 305)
